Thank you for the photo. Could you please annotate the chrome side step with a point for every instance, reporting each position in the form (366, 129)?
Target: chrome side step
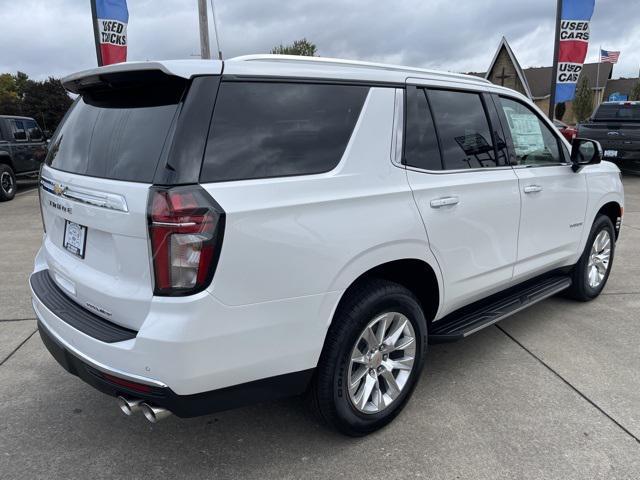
(473, 318)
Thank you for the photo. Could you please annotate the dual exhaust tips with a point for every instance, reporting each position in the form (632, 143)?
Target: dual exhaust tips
(152, 413)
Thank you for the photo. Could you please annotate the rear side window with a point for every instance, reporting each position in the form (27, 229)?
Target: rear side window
(421, 145)
(463, 128)
(618, 112)
(264, 129)
(18, 130)
(35, 134)
(118, 132)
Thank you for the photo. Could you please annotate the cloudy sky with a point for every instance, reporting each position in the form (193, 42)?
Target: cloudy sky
(54, 37)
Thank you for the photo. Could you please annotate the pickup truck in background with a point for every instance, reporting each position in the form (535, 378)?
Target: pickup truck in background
(23, 148)
(616, 125)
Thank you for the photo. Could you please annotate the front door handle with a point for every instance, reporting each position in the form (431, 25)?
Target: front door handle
(532, 189)
(444, 201)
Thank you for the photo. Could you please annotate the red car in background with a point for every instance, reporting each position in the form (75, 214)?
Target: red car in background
(568, 132)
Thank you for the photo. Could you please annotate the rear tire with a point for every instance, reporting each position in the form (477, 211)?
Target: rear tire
(377, 344)
(592, 271)
(7, 183)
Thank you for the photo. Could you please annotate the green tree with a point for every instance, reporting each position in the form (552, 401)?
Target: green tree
(9, 98)
(635, 93)
(300, 47)
(583, 103)
(46, 101)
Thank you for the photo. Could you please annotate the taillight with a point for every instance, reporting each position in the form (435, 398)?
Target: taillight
(186, 227)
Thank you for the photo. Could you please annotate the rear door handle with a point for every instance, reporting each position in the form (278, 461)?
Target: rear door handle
(532, 189)
(444, 201)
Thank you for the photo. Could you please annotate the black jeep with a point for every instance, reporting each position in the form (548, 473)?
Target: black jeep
(23, 148)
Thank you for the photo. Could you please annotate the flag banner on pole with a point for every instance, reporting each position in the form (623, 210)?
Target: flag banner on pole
(608, 56)
(112, 18)
(574, 42)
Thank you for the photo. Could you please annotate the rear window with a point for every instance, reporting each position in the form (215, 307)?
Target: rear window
(268, 129)
(618, 112)
(117, 130)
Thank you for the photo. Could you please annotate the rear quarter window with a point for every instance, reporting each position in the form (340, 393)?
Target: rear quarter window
(270, 129)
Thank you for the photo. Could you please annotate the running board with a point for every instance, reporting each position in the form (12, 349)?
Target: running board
(473, 318)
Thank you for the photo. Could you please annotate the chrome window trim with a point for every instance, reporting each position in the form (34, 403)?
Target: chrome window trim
(466, 170)
(94, 198)
(398, 128)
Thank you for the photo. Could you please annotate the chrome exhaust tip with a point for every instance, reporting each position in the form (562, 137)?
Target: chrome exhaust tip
(128, 406)
(154, 414)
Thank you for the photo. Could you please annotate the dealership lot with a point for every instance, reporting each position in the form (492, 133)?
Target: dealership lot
(553, 392)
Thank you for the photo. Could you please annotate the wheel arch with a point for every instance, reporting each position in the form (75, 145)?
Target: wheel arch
(613, 210)
(5, 159)
(415, 274)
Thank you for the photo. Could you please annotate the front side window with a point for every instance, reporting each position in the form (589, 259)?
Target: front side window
(463, 128)
(421, 143)
(269, 129)
(533, 141)
(19, 132)
(35, 134)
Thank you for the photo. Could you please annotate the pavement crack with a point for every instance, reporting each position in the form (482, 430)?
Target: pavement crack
(18, 347)
(16, 319)
(569, 384)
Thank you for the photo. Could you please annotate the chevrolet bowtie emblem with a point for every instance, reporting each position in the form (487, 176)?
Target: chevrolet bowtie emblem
(58, 189)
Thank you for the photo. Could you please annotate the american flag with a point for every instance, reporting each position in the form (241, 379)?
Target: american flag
(607, 56)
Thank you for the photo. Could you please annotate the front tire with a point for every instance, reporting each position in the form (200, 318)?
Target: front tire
(7, 183)
(372, 358)
(592, 271)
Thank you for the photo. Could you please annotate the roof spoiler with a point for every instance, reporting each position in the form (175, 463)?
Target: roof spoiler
(186, 69)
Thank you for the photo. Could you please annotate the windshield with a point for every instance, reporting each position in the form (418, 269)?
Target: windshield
(618, 112)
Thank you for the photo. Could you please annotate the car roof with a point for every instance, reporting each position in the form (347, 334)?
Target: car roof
(283, 66)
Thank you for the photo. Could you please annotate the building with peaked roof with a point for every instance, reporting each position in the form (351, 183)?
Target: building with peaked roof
(620, 86)
(505, 70)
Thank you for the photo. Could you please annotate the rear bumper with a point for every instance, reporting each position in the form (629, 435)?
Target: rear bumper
(97, 375)
(197, 354)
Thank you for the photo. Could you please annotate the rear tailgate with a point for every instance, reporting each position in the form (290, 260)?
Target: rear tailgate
(111, 274)
(95, 189)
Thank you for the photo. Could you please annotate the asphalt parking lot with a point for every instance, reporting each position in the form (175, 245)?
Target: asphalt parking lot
(551, 393)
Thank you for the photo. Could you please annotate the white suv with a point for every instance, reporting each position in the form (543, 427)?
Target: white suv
(224, 233)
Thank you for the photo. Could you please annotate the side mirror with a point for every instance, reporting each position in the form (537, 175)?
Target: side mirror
(585, 152)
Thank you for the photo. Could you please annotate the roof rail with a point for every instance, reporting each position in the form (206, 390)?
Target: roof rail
(354, 63)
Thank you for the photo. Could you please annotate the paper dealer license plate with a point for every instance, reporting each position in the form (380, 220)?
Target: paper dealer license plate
(75, 238)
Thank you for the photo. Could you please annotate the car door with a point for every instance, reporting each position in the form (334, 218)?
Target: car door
(37, 150)
(554, 197)
(466, 192)
(19, 146)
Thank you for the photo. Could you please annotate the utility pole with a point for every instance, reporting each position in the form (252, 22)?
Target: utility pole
(205, 52)
(554, 70)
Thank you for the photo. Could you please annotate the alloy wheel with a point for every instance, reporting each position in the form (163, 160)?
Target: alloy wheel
(599, 259)
(6, 183)
(381, 362)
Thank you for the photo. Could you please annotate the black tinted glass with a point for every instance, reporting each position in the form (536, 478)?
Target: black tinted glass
(619, 112)
(19, 133)
(262, 130)
(421, 145)
(33, 129)
(464, 131)
(122, 142)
